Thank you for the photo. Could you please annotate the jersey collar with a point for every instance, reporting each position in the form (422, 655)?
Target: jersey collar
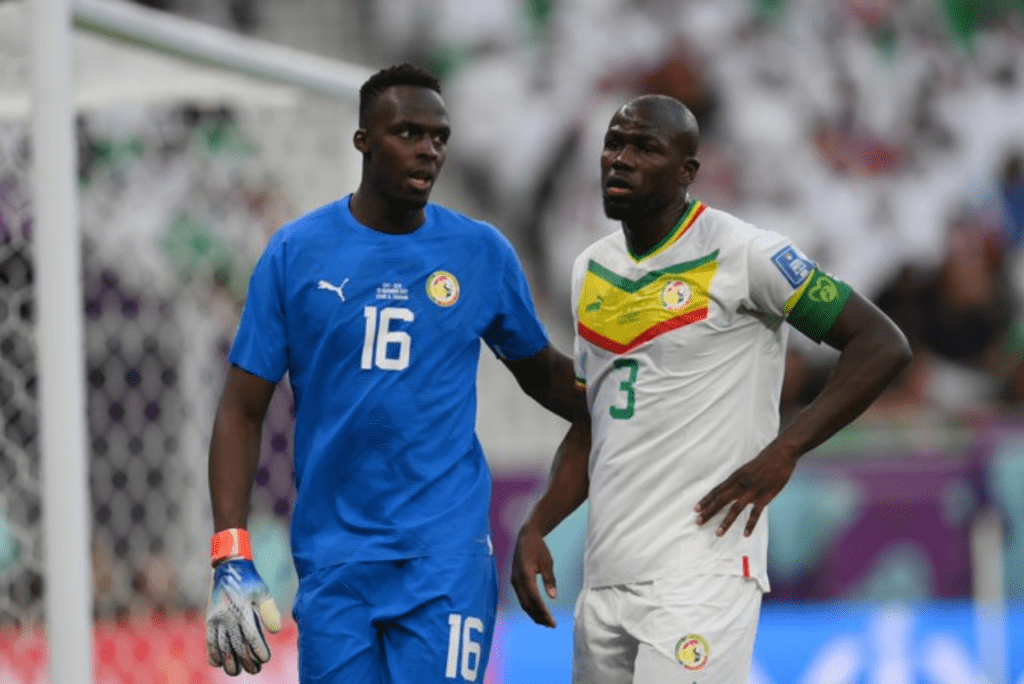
(689, 216)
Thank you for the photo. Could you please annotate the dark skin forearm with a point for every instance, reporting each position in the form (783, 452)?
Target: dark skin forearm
(235, 446)
(548, 378)
(873, 352)
(870, 359)
(568, 484)
(566, 490)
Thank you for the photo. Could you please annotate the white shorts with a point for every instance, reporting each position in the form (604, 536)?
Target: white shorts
(687, 630)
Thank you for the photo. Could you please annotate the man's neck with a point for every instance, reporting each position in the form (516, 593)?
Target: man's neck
(643, 233)
(378, 213)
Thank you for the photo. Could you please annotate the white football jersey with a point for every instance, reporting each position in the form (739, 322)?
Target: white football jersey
(682, 354)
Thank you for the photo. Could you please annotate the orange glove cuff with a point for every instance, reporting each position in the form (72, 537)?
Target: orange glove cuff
(230, 543)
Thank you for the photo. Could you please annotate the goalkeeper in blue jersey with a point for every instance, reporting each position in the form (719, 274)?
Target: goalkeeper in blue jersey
(375, 306)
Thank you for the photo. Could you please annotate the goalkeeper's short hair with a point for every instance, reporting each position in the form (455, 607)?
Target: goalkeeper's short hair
(400, 74)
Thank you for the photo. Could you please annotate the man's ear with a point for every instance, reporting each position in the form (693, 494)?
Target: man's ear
(361, 141)
(688, 170)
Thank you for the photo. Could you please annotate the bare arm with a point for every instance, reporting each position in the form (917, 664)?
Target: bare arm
(235, 446)
(566, 490)
(548, 378)
(873, 351)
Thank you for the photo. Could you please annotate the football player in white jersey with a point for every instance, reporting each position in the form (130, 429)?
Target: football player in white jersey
(681, 327)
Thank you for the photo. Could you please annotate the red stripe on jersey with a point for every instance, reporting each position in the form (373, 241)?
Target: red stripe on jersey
(746, 566)
(599, 340)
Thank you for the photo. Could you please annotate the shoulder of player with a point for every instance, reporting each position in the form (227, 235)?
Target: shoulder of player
(462, 227)
(612, 244)
(459, 221)
(726, 226)
(305, 225)
(730, 231)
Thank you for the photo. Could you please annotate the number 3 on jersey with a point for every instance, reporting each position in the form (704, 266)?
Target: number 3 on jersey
(626, 412)
(376, 354)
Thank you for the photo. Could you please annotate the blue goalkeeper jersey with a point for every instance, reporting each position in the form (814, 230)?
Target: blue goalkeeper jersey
(380, 335)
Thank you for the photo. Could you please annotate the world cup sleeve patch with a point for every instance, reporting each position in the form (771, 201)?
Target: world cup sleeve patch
(793, 265)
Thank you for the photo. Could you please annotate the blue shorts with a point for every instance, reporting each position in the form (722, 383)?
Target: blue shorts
(415, 621)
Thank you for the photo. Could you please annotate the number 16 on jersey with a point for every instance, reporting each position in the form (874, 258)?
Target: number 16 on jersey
(378, 335)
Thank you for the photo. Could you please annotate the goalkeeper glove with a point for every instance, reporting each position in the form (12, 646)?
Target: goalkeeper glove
(240, 607)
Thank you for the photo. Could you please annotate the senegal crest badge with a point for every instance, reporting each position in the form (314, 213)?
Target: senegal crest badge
(692, 652)
(443, 288)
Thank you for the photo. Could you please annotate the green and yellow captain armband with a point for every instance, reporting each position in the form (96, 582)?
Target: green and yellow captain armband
(815, 306)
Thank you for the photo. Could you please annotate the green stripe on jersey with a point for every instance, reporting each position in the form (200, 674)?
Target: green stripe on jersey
(632, 286)
(819, 306)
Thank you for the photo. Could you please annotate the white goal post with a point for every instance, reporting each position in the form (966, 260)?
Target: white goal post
(59, 289)
(216, 47)
(61, 351)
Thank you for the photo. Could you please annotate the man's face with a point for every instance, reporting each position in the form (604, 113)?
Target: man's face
(640, 167)
(405, 143)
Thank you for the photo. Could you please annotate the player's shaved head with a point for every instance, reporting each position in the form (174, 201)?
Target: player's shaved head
(648, 163)
(668, 116)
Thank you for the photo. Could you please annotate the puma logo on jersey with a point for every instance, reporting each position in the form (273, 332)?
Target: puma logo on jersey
(596, 304)
(336, 289)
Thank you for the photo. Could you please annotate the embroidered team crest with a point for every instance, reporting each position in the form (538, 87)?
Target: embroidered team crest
(693, 652)
(443, 288)
(676, 294)
(792, 264)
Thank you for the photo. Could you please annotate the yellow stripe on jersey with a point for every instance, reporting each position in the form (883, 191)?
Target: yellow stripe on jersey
(619, 314)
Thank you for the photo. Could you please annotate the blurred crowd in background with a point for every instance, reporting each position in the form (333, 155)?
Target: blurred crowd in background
(884, 137)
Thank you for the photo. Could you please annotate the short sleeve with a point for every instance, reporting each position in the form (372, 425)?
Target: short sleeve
(515, 332)
(783, 282)
(261, 344)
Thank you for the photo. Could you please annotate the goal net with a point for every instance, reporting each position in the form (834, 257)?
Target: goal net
(184, 171)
